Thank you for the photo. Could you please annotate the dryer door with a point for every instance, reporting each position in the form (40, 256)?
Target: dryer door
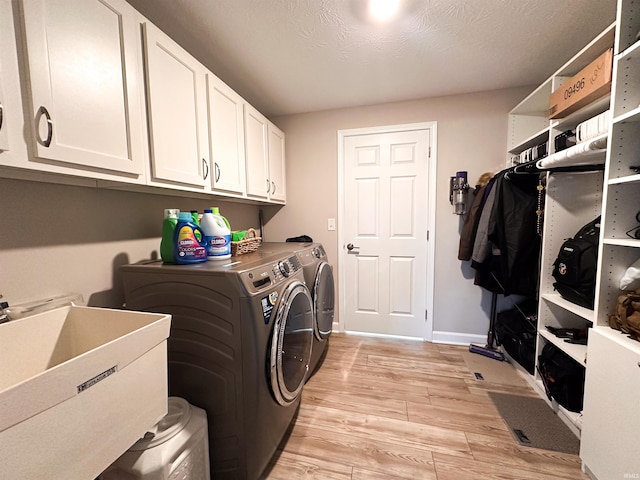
(323, 300)
(291, 342)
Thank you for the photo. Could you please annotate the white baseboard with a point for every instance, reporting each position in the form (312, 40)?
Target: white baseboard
(454, 338)
(383, 335)
(451, 338)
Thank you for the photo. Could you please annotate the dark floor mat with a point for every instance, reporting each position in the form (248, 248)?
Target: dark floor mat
(533, 423)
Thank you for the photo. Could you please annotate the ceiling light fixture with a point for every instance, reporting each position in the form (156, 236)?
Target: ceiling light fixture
(383, 10)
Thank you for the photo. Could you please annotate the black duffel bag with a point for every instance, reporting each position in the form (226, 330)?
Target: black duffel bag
(562, 376)
(516, 332)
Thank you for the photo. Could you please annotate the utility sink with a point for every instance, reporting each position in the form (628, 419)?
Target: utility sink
(78, 387)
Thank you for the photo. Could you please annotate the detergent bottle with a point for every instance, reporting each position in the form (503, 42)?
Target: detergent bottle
(168, 230)
(217, 235)
(216, 212)
(195, 218)
(187, 247)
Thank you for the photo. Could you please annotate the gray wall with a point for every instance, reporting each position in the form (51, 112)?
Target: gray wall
(472, 134)
(57, 239)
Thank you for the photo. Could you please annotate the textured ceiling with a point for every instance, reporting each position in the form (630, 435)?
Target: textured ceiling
(293, 56)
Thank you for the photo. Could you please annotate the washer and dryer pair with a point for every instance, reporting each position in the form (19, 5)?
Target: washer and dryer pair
(318, 276)
(241, 345)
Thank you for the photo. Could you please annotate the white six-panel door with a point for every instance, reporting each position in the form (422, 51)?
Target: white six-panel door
(385, 232)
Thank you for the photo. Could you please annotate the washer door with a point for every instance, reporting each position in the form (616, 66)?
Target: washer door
(323, 301)
(291, 342)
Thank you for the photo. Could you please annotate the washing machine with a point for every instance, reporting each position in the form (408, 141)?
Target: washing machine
(319, 279)
(239, 348)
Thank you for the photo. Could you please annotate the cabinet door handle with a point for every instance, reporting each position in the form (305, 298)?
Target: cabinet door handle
(268, 186)
(216, 169)
(274, 188)
(206, 168)
(1, 115)
(43, 111)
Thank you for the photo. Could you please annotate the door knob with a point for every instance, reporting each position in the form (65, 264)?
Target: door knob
(351, 246)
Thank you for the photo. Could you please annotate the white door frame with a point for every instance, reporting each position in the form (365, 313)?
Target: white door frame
(431, 214)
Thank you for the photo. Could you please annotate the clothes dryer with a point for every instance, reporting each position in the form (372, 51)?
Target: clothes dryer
(319, 279)
(239, 348)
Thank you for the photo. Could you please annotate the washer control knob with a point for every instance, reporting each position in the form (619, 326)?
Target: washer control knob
(284, 268)
(315, 252)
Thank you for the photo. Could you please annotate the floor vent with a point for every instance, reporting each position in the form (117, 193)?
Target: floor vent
(521, 436)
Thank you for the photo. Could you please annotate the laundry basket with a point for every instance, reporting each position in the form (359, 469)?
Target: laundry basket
(177, 448)
(248, 244)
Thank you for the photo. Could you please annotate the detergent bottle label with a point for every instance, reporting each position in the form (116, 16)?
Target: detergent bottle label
(188, 247)
(218, 245)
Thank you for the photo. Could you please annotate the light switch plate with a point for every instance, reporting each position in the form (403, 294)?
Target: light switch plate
(331, 224)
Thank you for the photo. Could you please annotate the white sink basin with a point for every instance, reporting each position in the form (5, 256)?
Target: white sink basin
(78, 386)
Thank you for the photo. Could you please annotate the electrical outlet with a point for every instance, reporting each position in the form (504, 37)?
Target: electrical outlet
(331, 224)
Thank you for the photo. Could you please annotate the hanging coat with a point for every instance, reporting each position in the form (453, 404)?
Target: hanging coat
(470, 225)
(511, 264)
(481, 246)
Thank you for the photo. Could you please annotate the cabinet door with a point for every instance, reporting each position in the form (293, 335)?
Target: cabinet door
(276, 164)
(256, 130)
(176, 103)
(226, 133)
(4, 136)
(85, 82)
(608, 445)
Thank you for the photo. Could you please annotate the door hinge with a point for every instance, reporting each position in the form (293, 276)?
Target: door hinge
(427, 235)
(429, 151)
(426, 315)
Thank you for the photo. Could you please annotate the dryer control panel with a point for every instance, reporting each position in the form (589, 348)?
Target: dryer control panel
(269, 275)
(318, 252)
(285, 268)
(311, 255)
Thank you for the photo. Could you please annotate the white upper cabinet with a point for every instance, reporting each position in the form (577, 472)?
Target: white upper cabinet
(13, 147)
(91, 91)
(277, 193)
(177, 112)
(4, 136)
(83, 59)
(264, 143)
(257, 153)
(226, 137)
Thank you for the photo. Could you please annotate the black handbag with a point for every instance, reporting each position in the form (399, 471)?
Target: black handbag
(562, 376)
(516, 332)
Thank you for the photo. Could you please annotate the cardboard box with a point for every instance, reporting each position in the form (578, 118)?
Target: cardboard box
(591, 83)
(78, 387)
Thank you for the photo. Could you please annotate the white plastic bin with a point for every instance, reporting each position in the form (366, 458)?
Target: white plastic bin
(176, 449)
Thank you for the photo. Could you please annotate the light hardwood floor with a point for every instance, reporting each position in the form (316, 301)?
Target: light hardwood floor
(396, 409)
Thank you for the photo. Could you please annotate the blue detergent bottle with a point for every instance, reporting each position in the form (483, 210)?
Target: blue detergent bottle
(187, 247)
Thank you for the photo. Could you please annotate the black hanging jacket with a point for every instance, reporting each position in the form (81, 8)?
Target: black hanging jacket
(514, 258)
(470, 225)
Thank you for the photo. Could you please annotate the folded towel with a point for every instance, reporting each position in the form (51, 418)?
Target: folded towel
(238, 235)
